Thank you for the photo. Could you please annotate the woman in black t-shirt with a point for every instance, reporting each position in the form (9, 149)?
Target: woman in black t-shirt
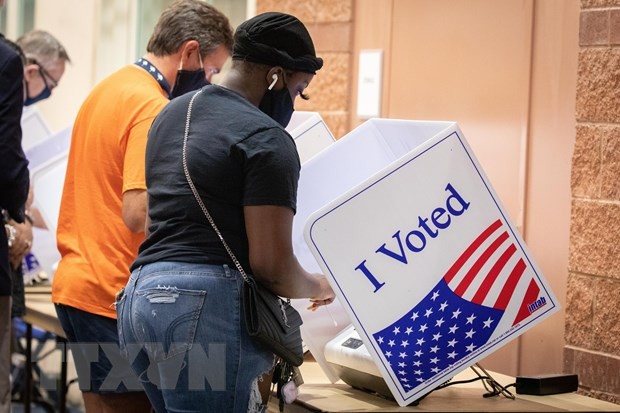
(182, 302)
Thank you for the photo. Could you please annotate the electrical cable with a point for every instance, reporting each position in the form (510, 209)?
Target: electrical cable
(491, 385)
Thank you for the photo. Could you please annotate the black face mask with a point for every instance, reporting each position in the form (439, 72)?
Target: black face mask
(278, 105)
(187, 81)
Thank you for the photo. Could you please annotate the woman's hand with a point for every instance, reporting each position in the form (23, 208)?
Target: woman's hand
(326, 295)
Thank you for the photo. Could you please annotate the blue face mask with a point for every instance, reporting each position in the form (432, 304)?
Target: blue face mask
(45, 93)
(278, 104)
(188, 80)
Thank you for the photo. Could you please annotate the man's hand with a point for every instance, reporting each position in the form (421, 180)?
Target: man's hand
(22, 244)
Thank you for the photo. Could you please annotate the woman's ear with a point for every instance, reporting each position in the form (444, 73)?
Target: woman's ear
(273, 75)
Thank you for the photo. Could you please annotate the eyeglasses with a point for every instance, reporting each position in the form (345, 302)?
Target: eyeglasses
(46, 76)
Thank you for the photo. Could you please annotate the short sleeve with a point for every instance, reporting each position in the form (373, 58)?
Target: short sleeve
(271, 169)
(133, 166)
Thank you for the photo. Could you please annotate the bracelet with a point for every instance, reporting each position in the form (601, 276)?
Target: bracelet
(11, 233)
(29, 219)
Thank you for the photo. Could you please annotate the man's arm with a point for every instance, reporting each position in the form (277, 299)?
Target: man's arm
(134, 210)
(14, 176)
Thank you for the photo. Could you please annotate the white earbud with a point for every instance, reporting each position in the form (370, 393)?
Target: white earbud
(275, 79)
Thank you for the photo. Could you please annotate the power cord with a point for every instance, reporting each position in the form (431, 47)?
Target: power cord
(491, 385)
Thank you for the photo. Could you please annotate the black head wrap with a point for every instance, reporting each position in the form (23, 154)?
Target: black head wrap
(276, 39)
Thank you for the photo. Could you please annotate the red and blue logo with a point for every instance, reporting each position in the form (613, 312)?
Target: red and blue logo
(460, 314)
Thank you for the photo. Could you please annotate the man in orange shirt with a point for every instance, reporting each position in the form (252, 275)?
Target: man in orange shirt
(103, 208)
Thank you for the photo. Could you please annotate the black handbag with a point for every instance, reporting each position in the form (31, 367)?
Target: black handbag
(273, 322)
(270, 319)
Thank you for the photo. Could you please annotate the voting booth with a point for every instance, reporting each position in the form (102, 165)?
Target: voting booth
(48, 163)
(34, 128)
(312, 136)
(42, 147)
(424, 260)
(310, 133)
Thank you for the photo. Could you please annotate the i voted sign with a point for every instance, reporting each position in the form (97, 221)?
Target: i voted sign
(428, 266)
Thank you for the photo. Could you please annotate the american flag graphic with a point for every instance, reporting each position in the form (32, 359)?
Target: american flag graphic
(461, 312)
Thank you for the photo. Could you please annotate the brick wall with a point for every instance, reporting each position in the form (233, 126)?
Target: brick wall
(330, 23)
(593, 292)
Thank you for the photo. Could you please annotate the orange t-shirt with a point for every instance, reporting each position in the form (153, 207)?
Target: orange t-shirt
(106, 159)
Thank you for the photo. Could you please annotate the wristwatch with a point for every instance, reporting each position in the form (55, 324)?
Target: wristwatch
(11, 232)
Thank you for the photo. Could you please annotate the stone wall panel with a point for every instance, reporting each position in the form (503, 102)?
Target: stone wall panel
(593, 245)
(310, 11)
(610, 168)
(598, 85)
(591, 368)
(333, 10)
(580, 293)
(585, 173)
(337, 122)
(329, 89)
(587, 4)
(331, 37)
(594, 28)
(614, 27)
(569, 360)
(597, 372)
(606, 317)
(592, 312)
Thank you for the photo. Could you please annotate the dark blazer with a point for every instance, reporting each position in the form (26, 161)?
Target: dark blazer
(14, 177)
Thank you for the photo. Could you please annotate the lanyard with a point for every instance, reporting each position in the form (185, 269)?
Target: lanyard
(152, 70)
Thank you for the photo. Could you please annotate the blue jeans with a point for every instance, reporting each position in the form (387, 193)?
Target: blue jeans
(180, 326)
(93, 340)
